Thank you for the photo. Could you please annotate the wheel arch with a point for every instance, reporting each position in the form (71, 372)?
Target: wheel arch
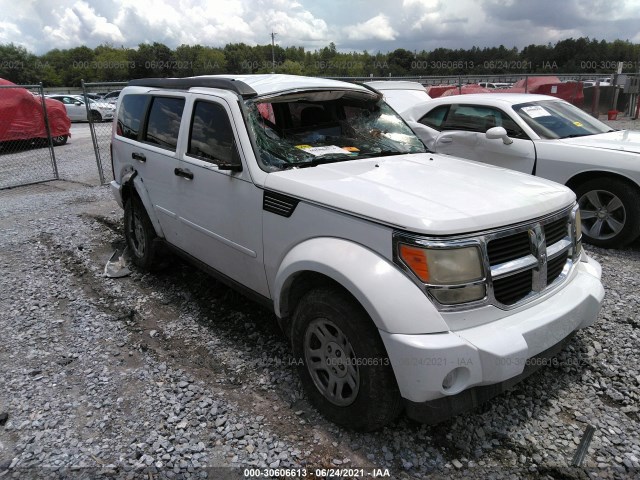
(574, 182)
(132, 186)
(393, 302)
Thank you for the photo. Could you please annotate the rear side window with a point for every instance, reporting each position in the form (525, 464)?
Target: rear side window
(131, 115)
(211, 137)
(164, 122)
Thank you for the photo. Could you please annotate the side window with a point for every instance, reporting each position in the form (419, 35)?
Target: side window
(435, 118)
(164, 122)
(131, 115)
(211, 135)
(480, 118)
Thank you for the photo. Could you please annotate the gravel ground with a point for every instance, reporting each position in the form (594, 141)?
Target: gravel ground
(172, 375)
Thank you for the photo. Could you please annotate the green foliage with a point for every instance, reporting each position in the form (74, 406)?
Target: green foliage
(112, 63)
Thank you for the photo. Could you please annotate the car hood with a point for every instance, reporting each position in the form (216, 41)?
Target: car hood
(425, 193)
(623, 140)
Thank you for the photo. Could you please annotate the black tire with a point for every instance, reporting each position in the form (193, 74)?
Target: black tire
(139, 234)
(369, 397)
(59, 140)
(610, 212)
(95, 116)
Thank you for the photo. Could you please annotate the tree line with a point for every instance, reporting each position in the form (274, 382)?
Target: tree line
(111, 63)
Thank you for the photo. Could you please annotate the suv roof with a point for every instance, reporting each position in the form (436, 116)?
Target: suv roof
(249, 85)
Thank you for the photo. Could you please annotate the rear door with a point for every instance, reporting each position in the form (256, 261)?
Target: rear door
(462, 133)
(220, 208)
(148, 127)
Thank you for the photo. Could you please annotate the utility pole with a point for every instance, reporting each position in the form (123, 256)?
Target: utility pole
(273, 52)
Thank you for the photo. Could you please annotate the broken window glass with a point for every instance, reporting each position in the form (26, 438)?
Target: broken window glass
(307, 129)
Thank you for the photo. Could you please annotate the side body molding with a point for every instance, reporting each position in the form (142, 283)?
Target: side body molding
(392, 300)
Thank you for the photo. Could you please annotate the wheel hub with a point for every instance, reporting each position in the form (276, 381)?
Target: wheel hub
(335, 359)
(330, 360)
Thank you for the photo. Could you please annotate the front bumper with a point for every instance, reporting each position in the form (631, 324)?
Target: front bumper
(447, 365)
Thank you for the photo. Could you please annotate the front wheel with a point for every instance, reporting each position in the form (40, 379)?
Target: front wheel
(139, 233)
(95, 116)
(609, 209)
(342, 361)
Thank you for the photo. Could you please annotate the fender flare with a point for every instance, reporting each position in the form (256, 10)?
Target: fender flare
(131, 180)
(394, 303)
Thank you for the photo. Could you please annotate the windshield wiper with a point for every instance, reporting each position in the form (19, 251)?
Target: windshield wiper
(575, 135)
(322, 159)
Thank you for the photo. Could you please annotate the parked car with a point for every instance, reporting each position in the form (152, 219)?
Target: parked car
(22, 117)
(77, 109)
(547, 137)
(404, 279)
(400, 94)
(111, 97)
(495, 85)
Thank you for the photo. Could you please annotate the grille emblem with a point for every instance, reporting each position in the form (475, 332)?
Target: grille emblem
(539, 250)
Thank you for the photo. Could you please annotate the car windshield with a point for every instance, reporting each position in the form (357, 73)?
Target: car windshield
(310, 128)
(553, 119)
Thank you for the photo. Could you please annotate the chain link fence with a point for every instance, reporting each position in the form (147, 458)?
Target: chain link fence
(27, 153)
(106, 94)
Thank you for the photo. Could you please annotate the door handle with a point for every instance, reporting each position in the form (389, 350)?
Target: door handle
(138, 156)
(446, 140)
(180, 172)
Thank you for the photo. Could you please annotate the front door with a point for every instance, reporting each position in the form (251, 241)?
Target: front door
(221, 208)
(463, 135)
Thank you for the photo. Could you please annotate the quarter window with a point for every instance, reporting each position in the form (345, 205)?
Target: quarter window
(164, 122)
(211, 137)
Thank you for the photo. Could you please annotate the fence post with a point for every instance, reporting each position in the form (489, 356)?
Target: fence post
(526, 84)
(48, 129)
(459, 85)
(94, 139)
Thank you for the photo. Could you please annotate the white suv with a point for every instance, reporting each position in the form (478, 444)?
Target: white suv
(404, 279)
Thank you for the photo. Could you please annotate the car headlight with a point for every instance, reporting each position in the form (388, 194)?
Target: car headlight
(577, 232)
(449, 273)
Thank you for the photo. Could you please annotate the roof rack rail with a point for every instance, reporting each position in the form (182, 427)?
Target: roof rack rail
(186, 83)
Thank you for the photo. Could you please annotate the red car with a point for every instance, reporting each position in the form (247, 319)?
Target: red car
(21, 116)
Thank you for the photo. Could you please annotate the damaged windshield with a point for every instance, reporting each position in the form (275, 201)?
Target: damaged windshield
(311, 128)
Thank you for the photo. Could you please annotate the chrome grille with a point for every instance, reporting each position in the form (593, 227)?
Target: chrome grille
(508, 248)
(520, 262)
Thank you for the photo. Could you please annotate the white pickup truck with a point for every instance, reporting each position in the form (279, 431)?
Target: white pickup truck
(404, 279)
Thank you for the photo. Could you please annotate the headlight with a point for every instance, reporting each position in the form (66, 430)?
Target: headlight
(577, 230)
(451, 266)
(451, 274)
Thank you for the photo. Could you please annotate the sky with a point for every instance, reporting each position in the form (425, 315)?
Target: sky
(371, 25)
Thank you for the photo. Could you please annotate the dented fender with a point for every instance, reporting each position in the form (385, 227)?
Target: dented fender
(131, 180)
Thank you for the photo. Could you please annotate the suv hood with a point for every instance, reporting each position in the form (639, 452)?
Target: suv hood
(425, 193)
(623, 140)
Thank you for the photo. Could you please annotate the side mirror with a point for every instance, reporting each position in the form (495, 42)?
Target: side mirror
(236, 164)
(496, 133)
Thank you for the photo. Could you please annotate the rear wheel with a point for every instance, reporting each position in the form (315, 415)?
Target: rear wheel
(139, 233)
(342, 361)
(609, 209)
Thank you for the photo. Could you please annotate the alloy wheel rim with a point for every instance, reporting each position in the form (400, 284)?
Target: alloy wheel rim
(603, 214)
